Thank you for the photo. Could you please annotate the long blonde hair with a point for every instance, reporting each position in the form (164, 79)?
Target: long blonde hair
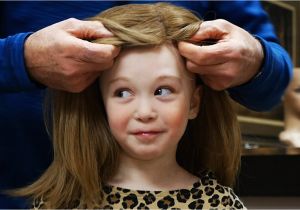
(85, 152)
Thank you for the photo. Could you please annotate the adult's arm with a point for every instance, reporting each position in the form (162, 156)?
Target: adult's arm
(57, 56)
(266, 89)
(246, 58)
(13, 75)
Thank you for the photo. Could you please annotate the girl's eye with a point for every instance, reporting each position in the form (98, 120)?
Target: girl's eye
(123, 93)
(163, 91)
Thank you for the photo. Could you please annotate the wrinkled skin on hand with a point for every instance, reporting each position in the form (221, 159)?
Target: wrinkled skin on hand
(234, 60)
(59, 56)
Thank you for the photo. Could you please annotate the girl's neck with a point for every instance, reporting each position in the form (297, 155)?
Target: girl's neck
(158, 174)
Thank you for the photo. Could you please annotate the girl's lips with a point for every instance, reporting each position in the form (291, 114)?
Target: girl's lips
(146, 135)
(146, 132)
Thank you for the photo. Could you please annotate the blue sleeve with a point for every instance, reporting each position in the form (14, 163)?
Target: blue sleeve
(264, 91)
(13, 74)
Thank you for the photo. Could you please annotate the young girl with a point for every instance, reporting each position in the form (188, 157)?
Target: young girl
(148, 134)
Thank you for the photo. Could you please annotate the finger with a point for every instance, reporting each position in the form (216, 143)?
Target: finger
(87, 81)
(210, 70)
(204, 55)
(87, 29)
(215, 29)
(88, 71)
(194, 67)
(96, 67)
(80, 83)
(94, 52)
(215, 82)
(209, 81)
(219, 77)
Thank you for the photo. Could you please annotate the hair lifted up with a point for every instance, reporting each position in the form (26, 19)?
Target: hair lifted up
(148, 24)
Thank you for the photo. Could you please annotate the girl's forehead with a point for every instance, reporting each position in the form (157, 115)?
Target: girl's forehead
(147, 66)
(148, 63)
(155, 58)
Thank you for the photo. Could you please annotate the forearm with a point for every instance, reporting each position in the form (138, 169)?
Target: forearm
(265, 90)
(13, 74)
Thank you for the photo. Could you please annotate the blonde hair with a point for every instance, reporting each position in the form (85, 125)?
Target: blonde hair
(85, 152)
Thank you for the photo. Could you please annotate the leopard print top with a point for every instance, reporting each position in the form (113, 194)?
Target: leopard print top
(206, 193)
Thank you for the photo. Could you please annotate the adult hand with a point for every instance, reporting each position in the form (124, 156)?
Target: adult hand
(59, 56)
(232, 61)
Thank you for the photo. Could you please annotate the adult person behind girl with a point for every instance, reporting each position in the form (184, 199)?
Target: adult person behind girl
(143, 136)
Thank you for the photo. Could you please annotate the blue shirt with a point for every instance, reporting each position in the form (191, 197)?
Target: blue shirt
(25, 149)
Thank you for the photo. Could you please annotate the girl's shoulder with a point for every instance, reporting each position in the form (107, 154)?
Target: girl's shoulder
(206, 193)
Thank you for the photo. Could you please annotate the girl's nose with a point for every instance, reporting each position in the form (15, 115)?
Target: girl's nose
(145, 111)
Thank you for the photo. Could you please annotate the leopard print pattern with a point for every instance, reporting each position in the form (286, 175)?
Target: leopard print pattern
(204, 194)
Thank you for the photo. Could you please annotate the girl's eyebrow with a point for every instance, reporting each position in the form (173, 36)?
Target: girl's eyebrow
(169, 77)
(162, 77)
(122, 78)
(159, 78)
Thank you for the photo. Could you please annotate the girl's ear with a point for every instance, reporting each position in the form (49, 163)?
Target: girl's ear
(195, 102)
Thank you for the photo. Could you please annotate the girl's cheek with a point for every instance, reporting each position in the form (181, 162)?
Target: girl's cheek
(118, 120)
(176, 115)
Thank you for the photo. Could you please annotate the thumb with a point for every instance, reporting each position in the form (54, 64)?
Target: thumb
(209, 30)
(90, 30)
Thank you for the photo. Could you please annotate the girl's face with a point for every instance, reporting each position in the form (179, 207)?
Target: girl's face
(149, 98)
